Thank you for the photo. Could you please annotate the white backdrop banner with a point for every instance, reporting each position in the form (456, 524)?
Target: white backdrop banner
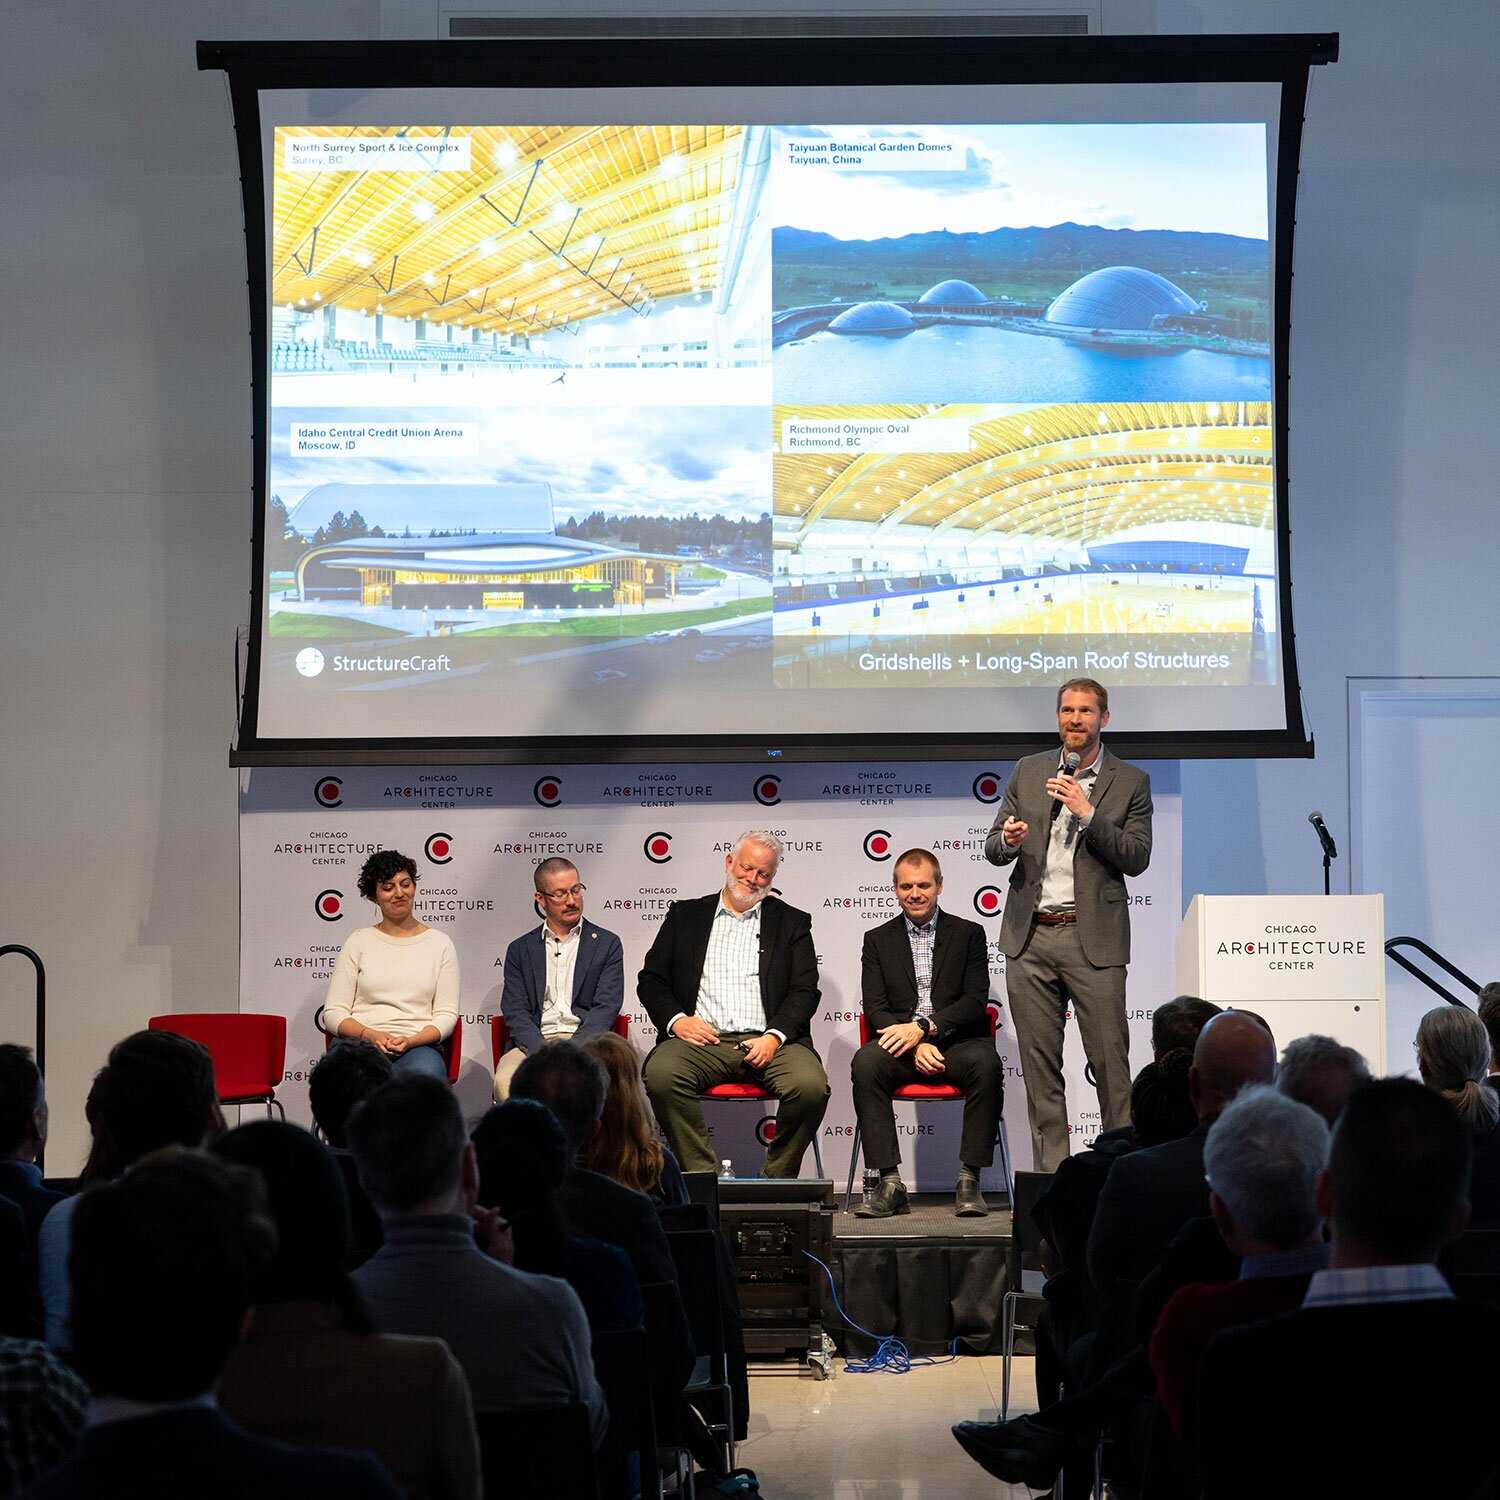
(642, 838)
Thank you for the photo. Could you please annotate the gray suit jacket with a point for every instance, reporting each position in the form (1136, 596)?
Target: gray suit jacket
(1116, 843)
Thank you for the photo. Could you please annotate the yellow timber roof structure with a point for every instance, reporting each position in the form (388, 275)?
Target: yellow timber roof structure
(550, 225)
(1077, 473)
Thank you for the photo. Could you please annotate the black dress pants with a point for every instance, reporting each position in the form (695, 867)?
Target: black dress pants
(973, 1066)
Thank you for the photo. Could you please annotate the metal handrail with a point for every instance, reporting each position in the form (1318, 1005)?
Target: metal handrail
(41, 1007)
(1432, 955)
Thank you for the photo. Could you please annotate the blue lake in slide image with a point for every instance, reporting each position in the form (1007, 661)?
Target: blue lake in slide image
(959, 362)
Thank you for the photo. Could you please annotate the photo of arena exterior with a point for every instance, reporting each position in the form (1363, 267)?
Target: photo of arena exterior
(1136, 539)
(532, 253)
(485, 560)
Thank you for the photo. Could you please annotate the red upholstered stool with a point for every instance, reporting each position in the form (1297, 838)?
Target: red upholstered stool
(500, 1034)
(452, 1046)
(754, 1093)
(248, 1051)
(921, 1093)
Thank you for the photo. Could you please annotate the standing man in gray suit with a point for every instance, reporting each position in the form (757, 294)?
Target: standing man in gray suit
(1074, 821)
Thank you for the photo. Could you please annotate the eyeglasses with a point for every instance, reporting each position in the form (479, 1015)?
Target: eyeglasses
(571, 894)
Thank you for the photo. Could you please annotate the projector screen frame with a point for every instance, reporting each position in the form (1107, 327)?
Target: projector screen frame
(251, 67)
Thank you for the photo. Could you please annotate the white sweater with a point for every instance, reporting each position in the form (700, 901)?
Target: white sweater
(398, 985)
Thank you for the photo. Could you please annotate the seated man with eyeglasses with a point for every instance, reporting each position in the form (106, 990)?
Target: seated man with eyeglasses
(565, 978)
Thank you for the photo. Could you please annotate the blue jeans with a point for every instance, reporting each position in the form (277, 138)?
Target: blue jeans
(426, 1059)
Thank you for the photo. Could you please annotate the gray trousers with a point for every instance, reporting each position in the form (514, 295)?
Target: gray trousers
(1047, 974)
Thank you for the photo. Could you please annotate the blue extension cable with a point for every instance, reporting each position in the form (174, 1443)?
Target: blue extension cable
(891, 1354)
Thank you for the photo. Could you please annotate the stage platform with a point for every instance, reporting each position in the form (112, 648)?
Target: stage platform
(926, 1277)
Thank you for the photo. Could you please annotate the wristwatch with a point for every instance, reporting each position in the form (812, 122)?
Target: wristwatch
(925, 1022)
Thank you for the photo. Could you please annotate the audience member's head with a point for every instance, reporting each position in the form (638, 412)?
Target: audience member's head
(1177, 1022)
(1161, 1108)
(1453, 1056)
(23, 1105)
(161, 1268)
(571, 1083)
(347, 1074)
(410, 1148)
(522, 1157)
(1396, 1189)
(156, 1089)
(1262, 1158)
(310, 1210)
(626, 1146)
(1321, 1073)
(1234, 1049)
(1489, 1013)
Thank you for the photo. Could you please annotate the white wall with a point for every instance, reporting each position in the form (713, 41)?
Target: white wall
(124, 430)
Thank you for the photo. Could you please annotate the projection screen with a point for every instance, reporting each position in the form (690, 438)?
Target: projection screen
(788, 399)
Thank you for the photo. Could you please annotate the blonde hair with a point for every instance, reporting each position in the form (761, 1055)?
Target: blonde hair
(626, 1145)
(1455, 1047)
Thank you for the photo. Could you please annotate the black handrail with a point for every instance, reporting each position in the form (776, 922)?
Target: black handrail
(1430, 953)
(41, 1007)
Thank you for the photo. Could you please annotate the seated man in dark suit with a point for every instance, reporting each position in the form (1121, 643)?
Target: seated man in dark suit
(925, 984)
(1293, 1407)
(731, 983)
(162, 1265)
(23, 1134)
(565, 978)
(1262, 1159)
(345, 1076)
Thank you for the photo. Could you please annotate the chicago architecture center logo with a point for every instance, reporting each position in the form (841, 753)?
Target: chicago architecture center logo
(329, 905)
(877, 844)
(657, 847)
(548, 791)
(328, 791)
(439, 848)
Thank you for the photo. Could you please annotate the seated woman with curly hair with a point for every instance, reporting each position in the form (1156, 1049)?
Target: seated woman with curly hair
(628, 1146)
(395, 985)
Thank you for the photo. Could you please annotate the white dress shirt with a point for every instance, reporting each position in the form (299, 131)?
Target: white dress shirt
(1062, 845)
(562, 959)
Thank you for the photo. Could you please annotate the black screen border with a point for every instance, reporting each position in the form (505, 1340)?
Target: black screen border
(810, 62)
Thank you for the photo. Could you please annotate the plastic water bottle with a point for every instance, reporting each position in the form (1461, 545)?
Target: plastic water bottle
(872, 1183)
(726, 1169)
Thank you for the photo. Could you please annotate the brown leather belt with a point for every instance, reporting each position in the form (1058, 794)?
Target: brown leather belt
(1055, 918)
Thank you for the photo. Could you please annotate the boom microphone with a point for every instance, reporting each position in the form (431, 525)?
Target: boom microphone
(1324, 837)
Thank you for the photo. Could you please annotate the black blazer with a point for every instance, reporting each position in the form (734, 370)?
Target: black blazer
(34, 1201)
(1293, 1407)
(960, 978)
(196, 1452)
(598, 985)
(668, 983)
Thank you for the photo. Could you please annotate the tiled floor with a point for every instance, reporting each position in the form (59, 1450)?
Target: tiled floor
(876, 1437)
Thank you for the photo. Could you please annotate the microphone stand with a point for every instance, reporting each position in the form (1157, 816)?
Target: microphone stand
(1327, 872)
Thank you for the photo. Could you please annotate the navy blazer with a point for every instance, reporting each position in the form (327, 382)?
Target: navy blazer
(598, 985)
(960, 978)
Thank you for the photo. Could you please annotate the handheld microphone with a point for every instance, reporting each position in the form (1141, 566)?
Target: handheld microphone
(1324, 837)
(1070, 763)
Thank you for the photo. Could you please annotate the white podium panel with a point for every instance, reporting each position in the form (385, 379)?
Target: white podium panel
(1305, 963)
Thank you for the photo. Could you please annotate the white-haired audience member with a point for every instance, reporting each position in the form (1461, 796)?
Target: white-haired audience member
(1369, 1388)
(1453, 1057)
(1262, 1160)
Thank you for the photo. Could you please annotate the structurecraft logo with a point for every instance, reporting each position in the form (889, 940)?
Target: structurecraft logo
(657, 847)
(329, 905)
(548, 791)
(328, 791)
(877, 844)
(767, 790)
(439, 848)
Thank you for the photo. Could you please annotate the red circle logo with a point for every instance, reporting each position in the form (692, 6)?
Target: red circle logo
(657, 847)
(988, 787)
(439, 848)
(328, 791)
(548, 791)
(988, 900)
(877, 845)
(765, 1129)
(329, 905)
(767, 790)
